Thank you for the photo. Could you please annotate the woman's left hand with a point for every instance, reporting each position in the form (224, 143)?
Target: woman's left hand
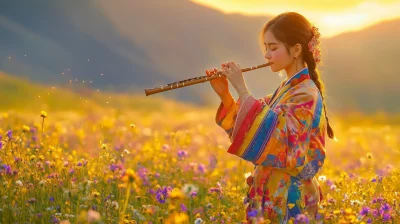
(234, 74)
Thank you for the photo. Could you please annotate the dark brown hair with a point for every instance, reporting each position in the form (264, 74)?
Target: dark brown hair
(291, 28)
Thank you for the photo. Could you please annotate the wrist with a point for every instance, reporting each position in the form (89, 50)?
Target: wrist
(241, 89)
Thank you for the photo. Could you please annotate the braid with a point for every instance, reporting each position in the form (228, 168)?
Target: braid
(317, 80)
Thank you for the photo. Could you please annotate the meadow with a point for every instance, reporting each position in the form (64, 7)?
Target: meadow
(115, 159)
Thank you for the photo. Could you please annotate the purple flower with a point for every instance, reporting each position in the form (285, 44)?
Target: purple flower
(369, 220)
(252, 213)
(364, 211)
(8, 169)
(9, 134)
(214, 189)
(79, 164)
(384, 208)
(386, 217)
(193, 194)
(301, 218)
(373, 180)
(201, 168)
(375, 212)
(162, 194)
(113, 167)
(183, 154)
(1, 144)
(142, 172)
(183, 208)
(71, 171)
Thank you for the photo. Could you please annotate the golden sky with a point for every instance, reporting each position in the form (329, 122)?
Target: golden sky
(331, 16)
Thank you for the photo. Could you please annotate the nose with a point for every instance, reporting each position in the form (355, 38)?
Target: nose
(267, 55)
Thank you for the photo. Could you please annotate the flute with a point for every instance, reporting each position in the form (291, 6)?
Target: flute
(192, 81)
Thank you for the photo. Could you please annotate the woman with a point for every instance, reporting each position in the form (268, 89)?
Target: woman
(282, 134)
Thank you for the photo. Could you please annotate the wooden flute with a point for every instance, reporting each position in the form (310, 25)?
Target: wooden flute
(196, 80)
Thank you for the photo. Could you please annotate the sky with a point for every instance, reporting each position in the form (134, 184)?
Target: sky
(332, 17)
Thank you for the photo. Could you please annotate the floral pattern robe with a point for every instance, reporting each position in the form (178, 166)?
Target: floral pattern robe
(283, 135)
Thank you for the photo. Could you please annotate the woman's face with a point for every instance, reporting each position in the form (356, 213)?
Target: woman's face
(275, 52)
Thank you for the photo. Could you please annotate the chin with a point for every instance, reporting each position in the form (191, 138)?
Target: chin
(273, 69)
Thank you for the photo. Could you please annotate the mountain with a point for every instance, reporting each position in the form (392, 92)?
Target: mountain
(143, 44)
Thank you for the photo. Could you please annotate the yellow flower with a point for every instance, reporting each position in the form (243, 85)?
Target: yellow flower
(290, 205)
(176, 193)
(95, 193)
(177, 218)
(130, 176)
(43, 114)
(25, 128)
(33, 157)
(369, 155)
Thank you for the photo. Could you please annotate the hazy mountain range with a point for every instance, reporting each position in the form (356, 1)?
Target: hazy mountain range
(133, 45)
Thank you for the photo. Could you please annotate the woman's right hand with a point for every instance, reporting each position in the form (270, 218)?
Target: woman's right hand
(220, 85)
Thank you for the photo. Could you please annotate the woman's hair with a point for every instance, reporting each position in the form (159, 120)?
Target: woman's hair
(291, 28)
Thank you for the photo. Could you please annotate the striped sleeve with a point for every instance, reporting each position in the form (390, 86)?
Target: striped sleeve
(227, 117)
(277, 137)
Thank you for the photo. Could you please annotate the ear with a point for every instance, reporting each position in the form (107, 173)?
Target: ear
(296, 50)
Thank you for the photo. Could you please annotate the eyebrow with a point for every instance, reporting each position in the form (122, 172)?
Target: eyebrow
(270, 43)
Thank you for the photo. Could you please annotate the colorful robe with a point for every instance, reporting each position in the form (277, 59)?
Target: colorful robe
(283, 135)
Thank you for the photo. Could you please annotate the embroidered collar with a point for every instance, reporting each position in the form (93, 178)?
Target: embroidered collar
(297, 78)
(294, 80)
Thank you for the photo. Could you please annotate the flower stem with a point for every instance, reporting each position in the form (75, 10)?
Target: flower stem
(128, 192)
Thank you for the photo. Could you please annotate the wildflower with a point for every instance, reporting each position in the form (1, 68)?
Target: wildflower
(322, 178)
(95, 193)
(115, 205)
(252, 213)
(201, 168)
(93, 216)
(190, 189)
(18, 183)
(183, 154)
(9, 134)
(365, 211)
(162, 193)
(385, 207)
(26, 128)
(31, 200)
(43, 114)
(176, 194)
(177, 218)
(130, 176)
(369, 155)
(301, 218)
(198, 221)
(386, 217)
(183, 208)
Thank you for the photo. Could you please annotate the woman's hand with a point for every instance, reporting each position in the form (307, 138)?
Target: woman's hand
(220, 85)
(234, 74)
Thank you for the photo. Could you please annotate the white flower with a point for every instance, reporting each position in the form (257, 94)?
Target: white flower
(198, 221)
(19, 183)
(322, 178)
(93, 216)
(189, 188)
(115, 205)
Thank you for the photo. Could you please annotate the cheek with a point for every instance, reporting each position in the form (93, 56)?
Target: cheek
(277, 55)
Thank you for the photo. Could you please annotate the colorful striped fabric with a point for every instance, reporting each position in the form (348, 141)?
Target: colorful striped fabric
(283, 135)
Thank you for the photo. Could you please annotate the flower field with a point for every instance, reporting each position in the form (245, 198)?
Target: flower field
(126, 167)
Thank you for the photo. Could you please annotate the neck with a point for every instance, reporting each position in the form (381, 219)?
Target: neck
(292, 70)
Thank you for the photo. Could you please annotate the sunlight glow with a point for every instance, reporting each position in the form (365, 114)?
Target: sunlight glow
(332, 19)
